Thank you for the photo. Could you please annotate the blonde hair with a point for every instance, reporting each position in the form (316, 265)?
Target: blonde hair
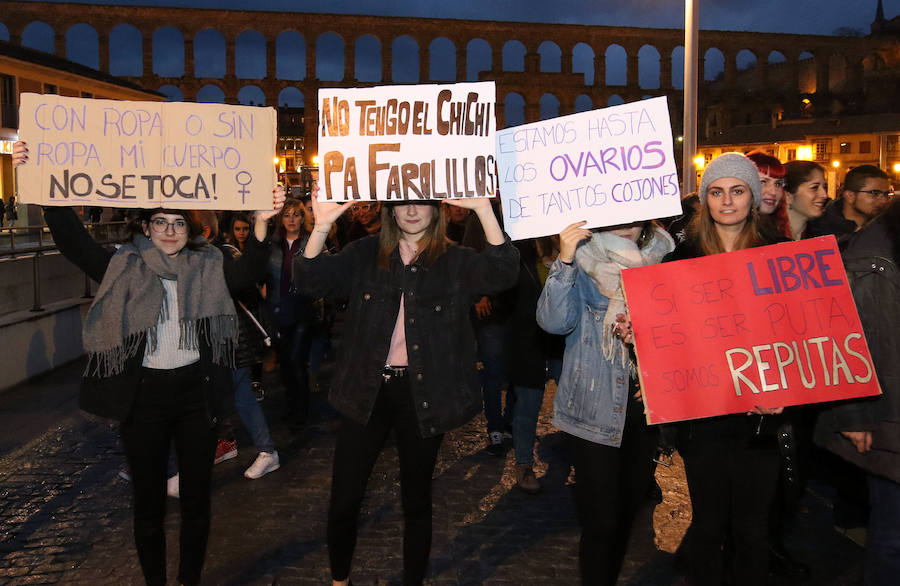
(432, 244)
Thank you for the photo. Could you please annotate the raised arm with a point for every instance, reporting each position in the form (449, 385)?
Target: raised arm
(557, 309)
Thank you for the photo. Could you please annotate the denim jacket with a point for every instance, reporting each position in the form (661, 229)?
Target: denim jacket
(592, 394)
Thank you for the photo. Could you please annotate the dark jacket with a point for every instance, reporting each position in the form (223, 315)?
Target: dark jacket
(291, 309)
(528, 347)
(439, 337)
(832, 221)
(113, 396)
(871, 259)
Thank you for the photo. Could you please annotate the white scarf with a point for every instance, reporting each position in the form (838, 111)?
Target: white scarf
(603, 257)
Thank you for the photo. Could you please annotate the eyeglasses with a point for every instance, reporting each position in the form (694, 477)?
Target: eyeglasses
(160, 225)
(877, 193)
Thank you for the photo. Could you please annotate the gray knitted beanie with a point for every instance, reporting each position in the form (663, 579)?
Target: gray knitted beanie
(731, 165)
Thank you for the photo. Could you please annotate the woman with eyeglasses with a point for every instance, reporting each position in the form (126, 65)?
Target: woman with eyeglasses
(290, 312)
(408, 365)
(160, 337)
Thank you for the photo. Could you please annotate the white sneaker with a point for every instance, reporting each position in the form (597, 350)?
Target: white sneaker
(264, 463)
(172, 487)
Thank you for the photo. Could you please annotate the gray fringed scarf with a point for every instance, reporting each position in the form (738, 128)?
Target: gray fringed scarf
(131, 301)
(603, 257)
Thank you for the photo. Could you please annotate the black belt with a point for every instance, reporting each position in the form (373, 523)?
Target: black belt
(394, 372)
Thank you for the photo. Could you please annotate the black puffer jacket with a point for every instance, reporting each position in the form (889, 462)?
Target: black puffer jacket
(439, 337)
(871, 259)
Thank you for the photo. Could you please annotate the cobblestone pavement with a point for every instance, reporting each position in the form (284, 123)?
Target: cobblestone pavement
(65, 517)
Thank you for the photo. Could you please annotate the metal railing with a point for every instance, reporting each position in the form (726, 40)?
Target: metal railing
(19, 242)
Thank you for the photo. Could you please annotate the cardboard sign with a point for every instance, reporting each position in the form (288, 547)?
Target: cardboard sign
(407, 142)
(146, 154)
(773, 326)
(607, 167)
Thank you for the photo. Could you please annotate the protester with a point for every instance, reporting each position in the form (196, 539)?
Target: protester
(251, 259)
(490, 316)
(409, 360)
(772, 204)
(159, 337)
(456, 222)
(731, 462)
(866, 193)
(290, 312)
(367, 222)
(12, 211)
(597, 404)
(531, 355)
(866, 432)
(806, 192)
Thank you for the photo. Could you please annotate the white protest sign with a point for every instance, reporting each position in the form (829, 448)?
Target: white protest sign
(146, 154)
(609, 166)
(407, 142)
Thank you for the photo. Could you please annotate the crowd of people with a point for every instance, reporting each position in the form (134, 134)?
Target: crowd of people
(451, 313)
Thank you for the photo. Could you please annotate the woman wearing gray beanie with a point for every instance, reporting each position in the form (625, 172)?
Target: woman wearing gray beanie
(731, 461)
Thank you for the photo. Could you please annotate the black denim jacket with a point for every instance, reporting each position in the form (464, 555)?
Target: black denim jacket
(439, 338)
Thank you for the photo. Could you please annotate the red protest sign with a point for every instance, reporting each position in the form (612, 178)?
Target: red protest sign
(772, 326)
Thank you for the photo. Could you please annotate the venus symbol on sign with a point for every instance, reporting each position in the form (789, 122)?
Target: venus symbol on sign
(244, 179)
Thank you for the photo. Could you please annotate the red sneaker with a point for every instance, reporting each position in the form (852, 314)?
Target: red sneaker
(225, 450)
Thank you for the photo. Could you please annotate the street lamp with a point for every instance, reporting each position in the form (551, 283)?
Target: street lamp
(691, 31)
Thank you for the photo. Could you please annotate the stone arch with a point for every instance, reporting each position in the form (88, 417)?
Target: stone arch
(40, 36)
(173, 93)
(251, 95)
(442, 60)
(330, 58)
(83, 45)
(513, 109)
(615, 100)
(746, 63)
(583, 103)
(367, 62)
(290, 56)
(4, 32)
(250, 55)
(677, 60)
(745, 59)
(551, 57)
(583, 62)
(513, 56)
(713, 64)
(405, 60)
(209, 54)
(290, 97)
(616, 65)
(479, 57)
(211, 93)
(168, 52)
(775, 57)
(127, 59)
(648, 68)
(549, 106)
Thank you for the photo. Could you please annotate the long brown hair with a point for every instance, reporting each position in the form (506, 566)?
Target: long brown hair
(431, 245)
(290, 204)
(702, 230)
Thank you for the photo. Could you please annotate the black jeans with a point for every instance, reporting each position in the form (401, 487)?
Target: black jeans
(732, 488)
(610, 484)
(170, 406)
(292, 349)
(357, 449)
